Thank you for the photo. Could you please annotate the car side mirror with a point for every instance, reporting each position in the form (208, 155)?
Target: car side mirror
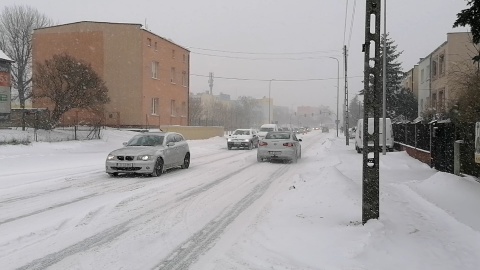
(170, 144)
(299, 140)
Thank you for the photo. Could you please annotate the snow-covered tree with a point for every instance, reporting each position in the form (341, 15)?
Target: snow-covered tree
(69, 83)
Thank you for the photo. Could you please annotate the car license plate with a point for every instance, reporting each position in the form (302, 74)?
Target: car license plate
(237, 143)
(274, 152)
(124, 165)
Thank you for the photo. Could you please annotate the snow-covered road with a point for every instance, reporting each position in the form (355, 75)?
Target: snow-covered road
(60, 210)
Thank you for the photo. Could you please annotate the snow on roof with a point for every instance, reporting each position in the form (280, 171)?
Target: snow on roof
(3, 56)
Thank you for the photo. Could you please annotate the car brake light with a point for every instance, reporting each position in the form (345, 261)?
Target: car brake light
(288, 144)
(262, 144)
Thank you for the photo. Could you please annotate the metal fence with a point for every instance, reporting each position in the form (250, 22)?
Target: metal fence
(414, 135)
(438, 138)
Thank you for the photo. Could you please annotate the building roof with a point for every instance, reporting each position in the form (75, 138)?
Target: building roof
(134, 24)
(3, 56)
(60, 25)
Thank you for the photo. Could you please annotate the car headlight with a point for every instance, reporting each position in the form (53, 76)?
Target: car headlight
(145, 157)
(246, 140)
(229, 140)
(110, 157)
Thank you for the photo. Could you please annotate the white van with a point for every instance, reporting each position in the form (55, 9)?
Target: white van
(265, 128)
(359, 135)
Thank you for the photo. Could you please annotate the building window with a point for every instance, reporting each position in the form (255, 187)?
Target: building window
(155, 106)
(441, 100)
(441, 64)
(149, 42)
(184, 78)
(173, 54)
(172, 79)
(428, 73)
(184, 108)
(155, 70)
(434, 68)
(156, 46)
(172, 107)
(434, 101)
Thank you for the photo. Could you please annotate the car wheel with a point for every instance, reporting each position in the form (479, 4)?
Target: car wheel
(229, 147)
(295, 158)
(259, 159)
(250, 146)
(158, 169)
(186, 161)
(113, 174)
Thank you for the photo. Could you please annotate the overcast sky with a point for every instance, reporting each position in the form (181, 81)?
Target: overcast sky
(285, 30)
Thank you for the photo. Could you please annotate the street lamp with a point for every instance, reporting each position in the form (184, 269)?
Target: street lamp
(338, 85)
(269, 100)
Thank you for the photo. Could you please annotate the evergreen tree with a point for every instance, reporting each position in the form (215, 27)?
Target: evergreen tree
(471, 17)
(401, 104)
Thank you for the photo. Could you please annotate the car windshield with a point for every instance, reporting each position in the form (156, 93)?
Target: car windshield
(241, 132)
(146, 140)
(266, 129)
(282, 136)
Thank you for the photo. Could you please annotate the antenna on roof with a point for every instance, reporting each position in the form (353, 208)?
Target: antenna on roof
(146, 27)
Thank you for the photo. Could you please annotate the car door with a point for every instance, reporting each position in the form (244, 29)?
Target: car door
(255, 138)
(180, 146)
(296, 142)
(170, 151)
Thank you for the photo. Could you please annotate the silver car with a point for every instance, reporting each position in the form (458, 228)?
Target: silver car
(149, 153)
(279, 145)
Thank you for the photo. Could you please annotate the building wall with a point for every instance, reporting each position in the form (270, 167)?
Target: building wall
(170, 86)
(410, 81)
(439, 78)
(423, 72)
(120, 54)
(460, 52)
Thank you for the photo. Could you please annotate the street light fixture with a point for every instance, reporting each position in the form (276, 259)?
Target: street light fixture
(338, 86)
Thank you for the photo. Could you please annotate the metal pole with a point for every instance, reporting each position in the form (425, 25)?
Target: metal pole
(269, 100)
(338, 90)
(384, 131)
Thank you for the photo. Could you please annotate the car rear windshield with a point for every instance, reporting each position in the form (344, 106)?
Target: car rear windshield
(282, 136)
(266, 129)
(146, 140)
(241, 132)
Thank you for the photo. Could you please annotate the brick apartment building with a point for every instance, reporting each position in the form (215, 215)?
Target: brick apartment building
(146, 75)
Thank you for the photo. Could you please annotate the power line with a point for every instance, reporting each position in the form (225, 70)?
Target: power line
(351, 23)
(259, 58)
(264, 53)
(267, 80)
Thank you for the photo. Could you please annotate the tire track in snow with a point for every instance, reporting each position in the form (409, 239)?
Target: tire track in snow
(47, 209)
(188, 252)
(111, 233)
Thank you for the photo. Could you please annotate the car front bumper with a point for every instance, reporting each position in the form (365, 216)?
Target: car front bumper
(238, 144)
(137, 166)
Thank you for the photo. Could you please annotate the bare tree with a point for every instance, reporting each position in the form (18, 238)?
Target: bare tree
(69, 83)
(195, 110)
(16, 28)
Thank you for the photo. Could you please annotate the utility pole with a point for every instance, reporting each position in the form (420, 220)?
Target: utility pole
(210, 83)
(347, 137)
(384, 80)
(372, 101)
